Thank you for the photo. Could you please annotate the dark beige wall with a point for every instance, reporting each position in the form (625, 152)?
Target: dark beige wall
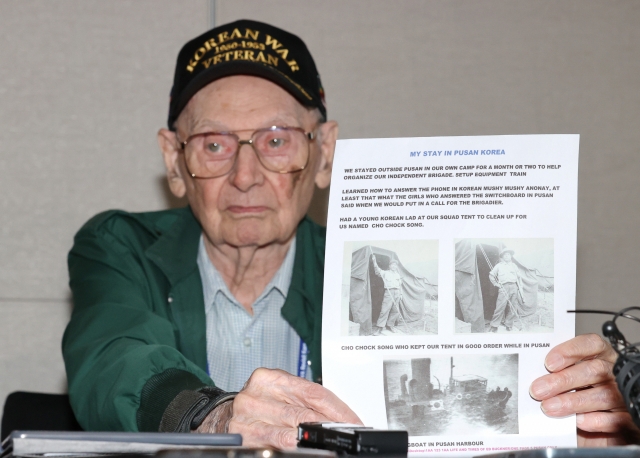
(84, 87)
(464, 67)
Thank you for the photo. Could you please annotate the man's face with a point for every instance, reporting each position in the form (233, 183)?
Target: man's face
(506, 257)
(250, 206)
(393, 266)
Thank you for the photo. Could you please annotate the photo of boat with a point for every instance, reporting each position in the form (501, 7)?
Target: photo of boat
(476, 395)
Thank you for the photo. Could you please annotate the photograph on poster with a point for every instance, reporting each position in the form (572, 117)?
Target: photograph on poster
(390, 288)
(504, 285)
(452, 395)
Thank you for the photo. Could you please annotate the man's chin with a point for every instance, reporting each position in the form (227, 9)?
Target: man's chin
(256, 230)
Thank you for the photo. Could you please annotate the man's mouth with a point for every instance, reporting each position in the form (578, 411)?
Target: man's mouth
(247, 209)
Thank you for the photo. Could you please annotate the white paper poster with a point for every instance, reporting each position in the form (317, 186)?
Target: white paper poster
(450, 264)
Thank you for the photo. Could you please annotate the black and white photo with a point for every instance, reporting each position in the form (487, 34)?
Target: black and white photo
(390, 287)
(504, 285)
(459, 395)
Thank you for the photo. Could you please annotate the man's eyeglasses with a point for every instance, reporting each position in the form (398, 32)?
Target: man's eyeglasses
(279, 149)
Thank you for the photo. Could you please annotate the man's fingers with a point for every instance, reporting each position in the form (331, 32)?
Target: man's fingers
(599, 440)
(578, 349)
(315, 397)
(273, 412)
(259, 434)
(322, 400)
(586, 373)
(603, 397)
(284, 387)
(606, 429)
(604, 422)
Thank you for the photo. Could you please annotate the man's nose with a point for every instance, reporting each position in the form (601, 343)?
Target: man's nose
(247, 171)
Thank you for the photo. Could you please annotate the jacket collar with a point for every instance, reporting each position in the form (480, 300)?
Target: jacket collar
(176, 249)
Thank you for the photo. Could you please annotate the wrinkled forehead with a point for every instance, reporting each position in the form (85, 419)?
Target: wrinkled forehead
(242, 101)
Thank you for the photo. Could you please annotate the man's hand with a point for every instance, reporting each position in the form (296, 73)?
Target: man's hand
(585, 364)
(271, 405)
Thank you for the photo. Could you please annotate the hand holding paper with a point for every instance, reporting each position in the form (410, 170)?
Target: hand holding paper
(585, 364)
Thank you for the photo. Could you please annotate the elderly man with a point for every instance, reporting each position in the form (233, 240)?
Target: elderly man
(176, 310)
(166, 303)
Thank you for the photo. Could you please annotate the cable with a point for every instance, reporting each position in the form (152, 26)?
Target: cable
(607, 312)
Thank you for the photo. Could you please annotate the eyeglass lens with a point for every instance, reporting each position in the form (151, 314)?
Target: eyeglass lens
(279, 150)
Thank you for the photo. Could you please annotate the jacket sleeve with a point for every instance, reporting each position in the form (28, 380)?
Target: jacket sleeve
(123, 365)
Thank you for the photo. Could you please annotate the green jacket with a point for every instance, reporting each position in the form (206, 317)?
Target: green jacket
(137, 333)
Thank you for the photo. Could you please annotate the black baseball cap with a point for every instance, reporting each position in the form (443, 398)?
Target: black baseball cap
(246, 47)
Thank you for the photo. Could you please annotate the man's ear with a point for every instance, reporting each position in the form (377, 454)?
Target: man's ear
(171, 155)
(328, 134)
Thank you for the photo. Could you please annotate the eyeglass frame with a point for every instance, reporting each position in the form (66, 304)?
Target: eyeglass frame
(310, 136)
